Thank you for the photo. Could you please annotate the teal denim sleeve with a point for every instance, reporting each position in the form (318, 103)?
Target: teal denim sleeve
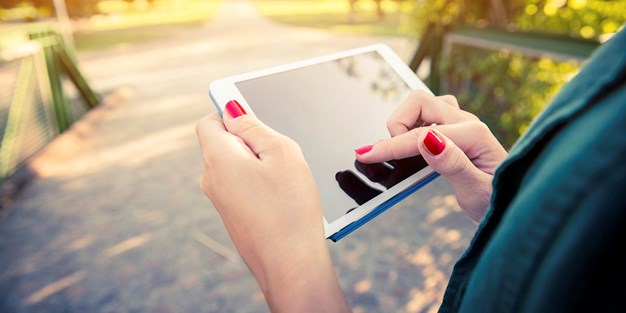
(550, 240)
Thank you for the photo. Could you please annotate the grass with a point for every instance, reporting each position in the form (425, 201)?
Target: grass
(335, 15)
(107, 39)
(125, 23)
(122, 15)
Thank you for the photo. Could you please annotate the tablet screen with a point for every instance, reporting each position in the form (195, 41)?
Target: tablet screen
(330, 109)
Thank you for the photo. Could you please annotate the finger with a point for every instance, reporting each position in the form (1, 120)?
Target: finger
(375, 172)
(446, 158)
(422, 108)
(210, 130)
(462, 134)
(394, 148)
(404, 168)
(260, 138)
(207, 123)
(449, 99)
(216, 142)
(443, 155)
(477, 142)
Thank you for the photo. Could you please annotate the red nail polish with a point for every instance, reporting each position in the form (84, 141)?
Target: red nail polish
(364, 149)
(433, 143)
(234, 109)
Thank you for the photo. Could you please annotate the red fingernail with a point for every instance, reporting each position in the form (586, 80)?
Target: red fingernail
(433, 143)
(234, 109)
(364, 149)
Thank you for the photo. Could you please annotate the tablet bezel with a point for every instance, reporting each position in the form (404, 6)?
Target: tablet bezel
(223, 90)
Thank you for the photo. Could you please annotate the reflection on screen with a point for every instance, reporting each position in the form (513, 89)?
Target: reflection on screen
(330, 109)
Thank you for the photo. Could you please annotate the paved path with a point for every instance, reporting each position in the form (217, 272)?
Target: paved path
(116, 222)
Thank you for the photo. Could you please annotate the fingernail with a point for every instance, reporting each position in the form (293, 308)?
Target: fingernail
(364, 149)
(433, 143)
(234, 109)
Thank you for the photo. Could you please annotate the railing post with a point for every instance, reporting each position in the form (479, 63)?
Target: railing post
(65, 60)
(13, 131)
(435, 60)
(63, 116)
(38, 108)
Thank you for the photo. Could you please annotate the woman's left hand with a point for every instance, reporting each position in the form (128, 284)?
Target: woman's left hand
(265, 193)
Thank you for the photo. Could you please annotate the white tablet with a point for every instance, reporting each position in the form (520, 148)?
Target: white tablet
(331, 105)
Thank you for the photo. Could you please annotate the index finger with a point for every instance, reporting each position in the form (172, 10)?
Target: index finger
(215, 140)
(208, 126)
(421, 108)
(470, 137)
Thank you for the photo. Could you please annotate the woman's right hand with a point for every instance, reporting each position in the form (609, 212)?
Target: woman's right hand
(454, 142)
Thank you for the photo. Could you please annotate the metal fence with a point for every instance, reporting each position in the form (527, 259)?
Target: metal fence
(505, 77)
(42, 93)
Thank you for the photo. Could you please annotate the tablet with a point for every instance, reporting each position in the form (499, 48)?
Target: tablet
(331, 105)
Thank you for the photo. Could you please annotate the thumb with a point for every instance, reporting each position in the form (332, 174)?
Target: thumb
(260, 138)
(443, 155)
(446, 158)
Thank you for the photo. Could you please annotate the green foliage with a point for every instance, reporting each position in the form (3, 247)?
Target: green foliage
(460, 12)
(81, 8)
(336, 15)
(75, 8)
(23, 11)
(508, 89)
(505, 90)
(575, 18)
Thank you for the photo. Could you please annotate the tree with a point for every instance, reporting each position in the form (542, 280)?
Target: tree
(75, 8)
(81, 8)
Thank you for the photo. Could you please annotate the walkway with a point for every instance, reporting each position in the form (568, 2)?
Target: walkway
(116, 222)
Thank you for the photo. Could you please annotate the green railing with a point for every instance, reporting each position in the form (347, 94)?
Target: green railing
(41, 95)
(504, 77)
(439, 39)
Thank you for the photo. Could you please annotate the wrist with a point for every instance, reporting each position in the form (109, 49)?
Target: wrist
(300, 277)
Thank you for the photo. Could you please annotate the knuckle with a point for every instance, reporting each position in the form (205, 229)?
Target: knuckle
(391, 125)
(201, 124)
(394, 149)
(212, 159)
(198, 127)
(246, 125)
(205, 185)
(470, 116)
(287, 144)
(387, 148)
(419, 95)
(274, 143)
(397, 149)
(395, 127)
(451, 99)
(416, 134)
(283, 145)
(479, 127)
(456, 165)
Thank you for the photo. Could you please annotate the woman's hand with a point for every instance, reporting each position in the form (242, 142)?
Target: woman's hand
(455, 143)
(260, 184)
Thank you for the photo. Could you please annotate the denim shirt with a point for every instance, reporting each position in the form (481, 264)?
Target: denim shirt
(551, 239)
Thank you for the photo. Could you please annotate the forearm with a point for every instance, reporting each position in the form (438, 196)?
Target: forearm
(303, 281)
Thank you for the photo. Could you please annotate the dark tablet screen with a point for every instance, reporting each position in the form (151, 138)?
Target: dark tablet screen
(330, 109)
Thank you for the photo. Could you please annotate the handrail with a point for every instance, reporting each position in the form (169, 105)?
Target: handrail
(35, 108)
(438, 39)
(532, 44)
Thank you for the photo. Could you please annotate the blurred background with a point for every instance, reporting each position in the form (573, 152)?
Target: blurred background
(100, 209)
